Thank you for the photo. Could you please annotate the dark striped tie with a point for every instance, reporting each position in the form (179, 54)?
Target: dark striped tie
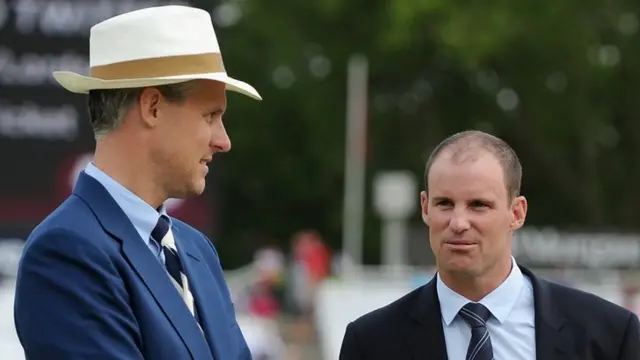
(476, 315)
(162, 234)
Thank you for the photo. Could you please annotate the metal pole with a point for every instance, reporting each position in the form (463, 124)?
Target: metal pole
(356, 134)
(394, 244)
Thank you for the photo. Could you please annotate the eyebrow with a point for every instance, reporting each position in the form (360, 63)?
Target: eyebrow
(481, 199)
(214, 109)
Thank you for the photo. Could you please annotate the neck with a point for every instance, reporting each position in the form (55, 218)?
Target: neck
(128, 167)
(474, 287)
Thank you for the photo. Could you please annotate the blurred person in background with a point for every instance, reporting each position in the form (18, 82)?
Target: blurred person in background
(310, 265)
(481, 305)
(109, 275)
(269, 263)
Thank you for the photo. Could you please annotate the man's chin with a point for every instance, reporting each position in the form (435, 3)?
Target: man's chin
(197, 189)
(459, 264)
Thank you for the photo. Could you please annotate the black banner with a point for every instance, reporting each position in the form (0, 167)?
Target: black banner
(45, 136)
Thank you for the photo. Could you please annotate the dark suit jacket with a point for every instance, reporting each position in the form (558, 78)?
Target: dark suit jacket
(89, 288)
(570, 325)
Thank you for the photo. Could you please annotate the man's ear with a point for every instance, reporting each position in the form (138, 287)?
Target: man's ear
(149, 102)
(424, 207)
(519, 212)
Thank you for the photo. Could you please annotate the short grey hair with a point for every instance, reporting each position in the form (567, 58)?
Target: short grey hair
(466, 142)
(107, 108)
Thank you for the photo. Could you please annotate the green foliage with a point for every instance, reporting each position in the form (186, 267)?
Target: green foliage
(567, 72)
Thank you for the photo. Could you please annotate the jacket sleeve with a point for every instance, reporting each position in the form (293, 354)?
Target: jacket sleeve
(244, 353)
(349, 349)
(71, 303)
(630, 347)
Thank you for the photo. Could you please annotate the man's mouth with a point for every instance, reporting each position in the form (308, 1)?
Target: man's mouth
(460, 242)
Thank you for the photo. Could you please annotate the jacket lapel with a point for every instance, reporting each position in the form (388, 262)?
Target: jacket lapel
(553, 338)
(207, 298)
(427, 335)
(115, 222)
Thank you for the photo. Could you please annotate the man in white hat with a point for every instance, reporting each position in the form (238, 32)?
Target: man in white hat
(109, 275)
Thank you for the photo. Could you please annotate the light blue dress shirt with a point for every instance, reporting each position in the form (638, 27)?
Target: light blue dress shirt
(142, 215)
(511, 326)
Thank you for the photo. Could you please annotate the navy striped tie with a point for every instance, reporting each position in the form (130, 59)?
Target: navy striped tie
(162, 234)
(476, 315)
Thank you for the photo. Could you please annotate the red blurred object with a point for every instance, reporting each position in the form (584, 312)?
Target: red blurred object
(21, 208)
(310, 250)
(262, 302)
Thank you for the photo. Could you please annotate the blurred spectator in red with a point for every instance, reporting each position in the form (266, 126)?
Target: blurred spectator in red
(311, 251)
(262, 302)
(311, 264)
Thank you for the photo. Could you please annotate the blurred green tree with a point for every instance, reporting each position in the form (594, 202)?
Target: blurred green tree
(557, 81)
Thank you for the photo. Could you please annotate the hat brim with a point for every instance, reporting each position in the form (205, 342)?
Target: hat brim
(81, 84)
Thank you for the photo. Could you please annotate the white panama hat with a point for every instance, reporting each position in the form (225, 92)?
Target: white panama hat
(150, 47)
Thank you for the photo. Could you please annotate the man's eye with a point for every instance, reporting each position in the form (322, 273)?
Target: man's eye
(213, 115)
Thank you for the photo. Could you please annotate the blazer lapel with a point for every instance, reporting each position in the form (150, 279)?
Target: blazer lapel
(427, 335)
(209, 302)
(553, 338)
(115, 222)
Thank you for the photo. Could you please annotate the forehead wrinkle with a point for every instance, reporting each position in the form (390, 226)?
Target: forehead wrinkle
(462, 176)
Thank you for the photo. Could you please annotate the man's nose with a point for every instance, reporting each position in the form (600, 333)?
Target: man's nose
(220, 140)
(459, 222)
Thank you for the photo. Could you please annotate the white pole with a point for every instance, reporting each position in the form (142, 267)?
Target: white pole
(356, 142)
(394, 244)
(395, 200)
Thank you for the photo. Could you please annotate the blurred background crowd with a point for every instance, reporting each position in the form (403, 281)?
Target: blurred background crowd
(315, 210)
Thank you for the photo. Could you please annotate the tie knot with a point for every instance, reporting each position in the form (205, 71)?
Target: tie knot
(161, 229)
(475, 314)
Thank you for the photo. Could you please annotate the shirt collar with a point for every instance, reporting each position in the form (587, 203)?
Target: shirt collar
(142, 215)
(500, 301)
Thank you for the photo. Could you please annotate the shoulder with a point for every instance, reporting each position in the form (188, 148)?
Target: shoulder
(187, 230)
(574, 296)
(575, 303)
(199, 243)
(382, 332)
(72, 213)
(193, 235)
(72, 223)
(606, 327)
(388, 316)
(68, 247)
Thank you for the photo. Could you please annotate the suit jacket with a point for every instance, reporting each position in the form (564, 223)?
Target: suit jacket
(89, 288)
(570, 325)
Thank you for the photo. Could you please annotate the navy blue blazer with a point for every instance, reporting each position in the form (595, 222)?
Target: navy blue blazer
(89, 288)
(570, 325)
